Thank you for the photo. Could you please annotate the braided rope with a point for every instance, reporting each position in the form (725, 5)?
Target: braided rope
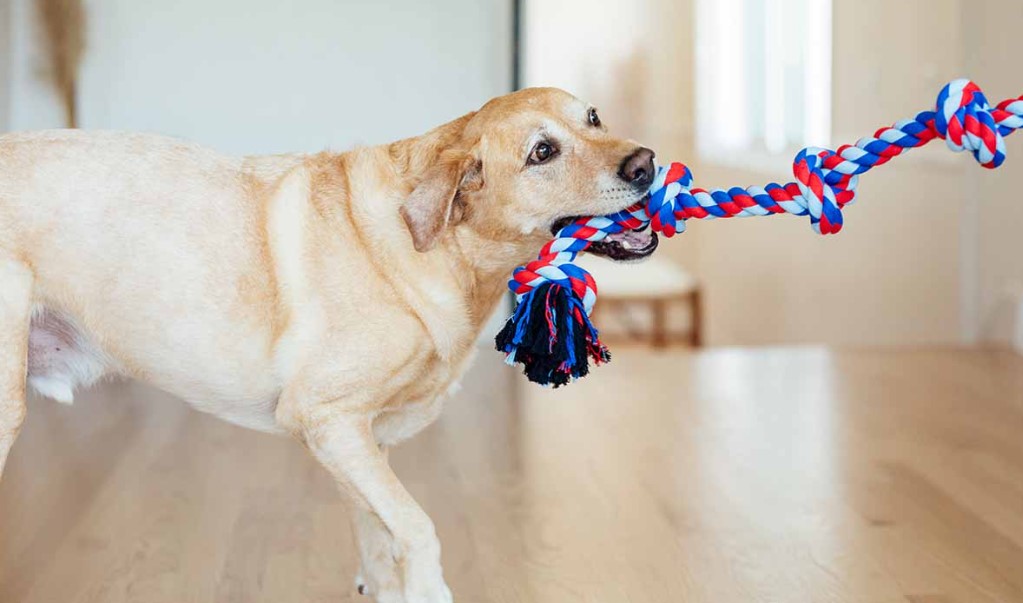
(826, 182)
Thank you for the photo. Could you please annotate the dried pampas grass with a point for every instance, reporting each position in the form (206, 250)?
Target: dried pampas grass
(63, 23)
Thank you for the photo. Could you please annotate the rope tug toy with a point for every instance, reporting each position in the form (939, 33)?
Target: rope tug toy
(550, 332)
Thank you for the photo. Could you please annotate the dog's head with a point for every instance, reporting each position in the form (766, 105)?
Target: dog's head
(522, 167)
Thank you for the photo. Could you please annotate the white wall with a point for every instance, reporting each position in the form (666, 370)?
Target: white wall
(992, 48)
(262, 76)
(5, 62)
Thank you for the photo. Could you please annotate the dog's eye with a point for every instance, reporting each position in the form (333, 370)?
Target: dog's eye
(594, 118)
(542, 152)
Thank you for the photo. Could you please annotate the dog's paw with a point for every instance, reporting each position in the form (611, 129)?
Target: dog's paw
(441, 594)
(434, 590)
(380, 584)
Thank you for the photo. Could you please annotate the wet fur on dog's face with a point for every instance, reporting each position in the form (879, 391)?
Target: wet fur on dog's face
(527, 162)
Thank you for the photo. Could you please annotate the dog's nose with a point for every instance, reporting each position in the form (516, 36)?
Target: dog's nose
(638, 168)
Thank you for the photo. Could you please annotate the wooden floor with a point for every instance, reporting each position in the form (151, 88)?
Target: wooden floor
(790, 475)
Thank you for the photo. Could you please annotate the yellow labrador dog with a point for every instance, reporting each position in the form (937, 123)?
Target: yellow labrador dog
(333, 297)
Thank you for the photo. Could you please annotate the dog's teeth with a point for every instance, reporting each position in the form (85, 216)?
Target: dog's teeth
(626, 244)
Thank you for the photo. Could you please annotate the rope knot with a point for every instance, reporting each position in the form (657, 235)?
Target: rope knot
(823, 194)
(664, 209)
(964, 119)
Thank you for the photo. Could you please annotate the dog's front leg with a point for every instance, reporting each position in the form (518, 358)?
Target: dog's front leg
(377, 572)
(342, 440)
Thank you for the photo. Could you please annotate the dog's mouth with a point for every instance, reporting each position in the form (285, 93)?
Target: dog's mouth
(626, 246)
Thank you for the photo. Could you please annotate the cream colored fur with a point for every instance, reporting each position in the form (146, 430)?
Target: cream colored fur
(286, 294)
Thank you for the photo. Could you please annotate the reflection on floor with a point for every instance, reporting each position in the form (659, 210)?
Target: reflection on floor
(725, 475)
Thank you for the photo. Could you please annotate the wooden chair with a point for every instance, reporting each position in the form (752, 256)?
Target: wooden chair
(656, 284)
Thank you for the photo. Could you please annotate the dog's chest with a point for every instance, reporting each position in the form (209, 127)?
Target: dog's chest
(403, 421)
(420, 404)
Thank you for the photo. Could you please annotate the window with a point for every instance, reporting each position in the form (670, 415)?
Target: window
(763, 76)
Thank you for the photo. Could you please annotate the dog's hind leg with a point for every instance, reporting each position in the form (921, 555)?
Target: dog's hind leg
(15, 316)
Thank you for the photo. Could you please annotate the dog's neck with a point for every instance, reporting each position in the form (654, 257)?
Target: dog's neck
(487, 266)
(455, 287)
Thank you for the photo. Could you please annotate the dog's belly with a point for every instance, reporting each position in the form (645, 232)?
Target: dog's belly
(62, 358)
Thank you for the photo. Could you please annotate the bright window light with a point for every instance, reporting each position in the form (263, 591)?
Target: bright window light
(763, 75)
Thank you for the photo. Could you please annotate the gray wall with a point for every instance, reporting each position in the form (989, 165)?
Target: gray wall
(255, 76)
(5, 57)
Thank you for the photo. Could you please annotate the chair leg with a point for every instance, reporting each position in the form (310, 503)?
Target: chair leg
(659, 308)
(696, 328)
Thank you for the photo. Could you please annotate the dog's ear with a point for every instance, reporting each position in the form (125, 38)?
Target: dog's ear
(433, 204)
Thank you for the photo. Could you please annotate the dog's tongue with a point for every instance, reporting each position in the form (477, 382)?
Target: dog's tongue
(632, 239)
